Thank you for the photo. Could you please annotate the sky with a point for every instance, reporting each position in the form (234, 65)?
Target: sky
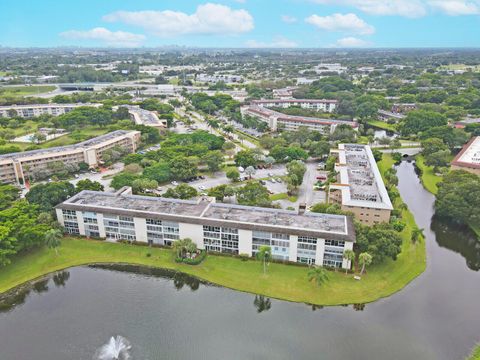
(241, 23)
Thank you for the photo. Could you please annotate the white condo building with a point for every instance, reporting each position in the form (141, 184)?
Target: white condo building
(34, 110)
(309, 238)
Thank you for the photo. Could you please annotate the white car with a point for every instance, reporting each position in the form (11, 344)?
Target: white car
(174, 183)
(201, 187)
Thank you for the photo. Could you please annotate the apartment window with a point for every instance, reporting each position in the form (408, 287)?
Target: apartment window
(220, 239)
(71, 228)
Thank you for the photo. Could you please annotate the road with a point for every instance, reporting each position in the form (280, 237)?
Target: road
(116, 168)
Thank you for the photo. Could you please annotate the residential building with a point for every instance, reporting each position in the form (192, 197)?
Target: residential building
(467, 121)
(402, 108)
(312, 104)
(468, 158)
(33, 110)
(145, 117)
(226, 78)
(386, 115)
(359, 188)
(21, 166)
(277, 120)
(309, 238)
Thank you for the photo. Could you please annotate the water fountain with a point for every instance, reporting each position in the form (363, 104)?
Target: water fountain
(117, 348)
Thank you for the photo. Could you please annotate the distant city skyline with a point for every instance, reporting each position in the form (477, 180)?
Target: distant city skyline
(241, 23)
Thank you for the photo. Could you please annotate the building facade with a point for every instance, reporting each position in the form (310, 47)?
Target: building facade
(307, 238)
(278, 121)
(359, 188)
(19, 167)
(468, 158)
(311, 104)
(145, 117)
(30, 111)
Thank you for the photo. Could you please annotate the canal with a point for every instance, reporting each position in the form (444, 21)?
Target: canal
(172, 316)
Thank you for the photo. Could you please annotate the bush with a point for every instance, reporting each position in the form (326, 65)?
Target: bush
(200, 257)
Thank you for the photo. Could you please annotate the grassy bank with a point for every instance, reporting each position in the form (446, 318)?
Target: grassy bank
(382, 125)
(281, 281)
(475, 355)
(428, 177)
(26, 90)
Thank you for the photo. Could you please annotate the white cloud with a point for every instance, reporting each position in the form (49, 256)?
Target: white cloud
(456, 7)
(279, 43)
(289, 19)
(208, 19)
(111, 38)
(349, 23)
(350, 42)
(409, 8)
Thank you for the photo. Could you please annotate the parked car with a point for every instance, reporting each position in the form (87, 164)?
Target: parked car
(174, 183)
(263, 182)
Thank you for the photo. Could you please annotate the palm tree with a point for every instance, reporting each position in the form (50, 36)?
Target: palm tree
(318, 274)
(52, 239)
(264, 254)
(177, 247)
(365, 259)
(262, 303)
(417, 234)
(348, 255)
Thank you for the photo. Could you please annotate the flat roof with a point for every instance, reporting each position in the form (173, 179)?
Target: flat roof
(469, 156)
(312, 101)
(206, 212)
(146, 117)
(82, 145)
(358, 169)
(304, 119)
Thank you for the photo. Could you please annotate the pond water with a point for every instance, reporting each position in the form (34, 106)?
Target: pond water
(158, 314)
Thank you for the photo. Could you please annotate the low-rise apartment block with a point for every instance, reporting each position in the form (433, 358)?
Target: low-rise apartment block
(33, 110)
(468, 158)
(360, 188)
(277, 120)
(21, 166)
(324, 105)
(309, 238)
(144, 117)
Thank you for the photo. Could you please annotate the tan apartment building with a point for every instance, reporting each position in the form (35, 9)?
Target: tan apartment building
(468, 158)
(17, 167)
(277, 120)
(145, 117)
(359, 188)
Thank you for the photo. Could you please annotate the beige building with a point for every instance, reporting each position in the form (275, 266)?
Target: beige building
(145, 117)
(277, 120)
(468, 158)
(34, 110)
(360, 188)
(18, 167)
(325, 105)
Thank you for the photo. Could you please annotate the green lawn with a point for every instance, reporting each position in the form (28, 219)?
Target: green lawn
(382, 125)
(428, 177)
(283, 196)
(89, 132)
(25, 90)
(475, 355)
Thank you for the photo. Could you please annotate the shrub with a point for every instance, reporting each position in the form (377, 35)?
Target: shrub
(200, 257)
